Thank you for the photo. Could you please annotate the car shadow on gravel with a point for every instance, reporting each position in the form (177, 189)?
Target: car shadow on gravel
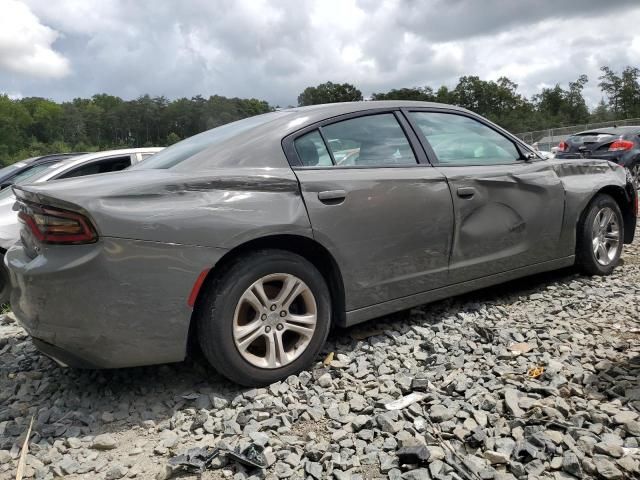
(501, 293)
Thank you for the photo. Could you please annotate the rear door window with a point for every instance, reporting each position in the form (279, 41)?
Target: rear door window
(368, 141)
(312, 150)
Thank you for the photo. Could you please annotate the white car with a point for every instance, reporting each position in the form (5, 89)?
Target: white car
(88, 164)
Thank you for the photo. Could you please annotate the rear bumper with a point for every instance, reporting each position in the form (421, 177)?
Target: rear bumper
(62, 357)
(115, 303)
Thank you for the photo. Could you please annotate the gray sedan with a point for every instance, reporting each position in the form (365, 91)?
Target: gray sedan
(255, 237)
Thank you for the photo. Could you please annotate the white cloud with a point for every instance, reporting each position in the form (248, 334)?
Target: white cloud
(26, 44)
(274, 49)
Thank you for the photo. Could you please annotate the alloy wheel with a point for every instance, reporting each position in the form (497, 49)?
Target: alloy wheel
(606, 236)
(274, 320)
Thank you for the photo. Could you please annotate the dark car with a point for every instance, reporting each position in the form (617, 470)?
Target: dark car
(14, 172)
(255, 237)
(620, 145)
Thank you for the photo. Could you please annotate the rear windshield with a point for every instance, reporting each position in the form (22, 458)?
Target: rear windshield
(179, 152)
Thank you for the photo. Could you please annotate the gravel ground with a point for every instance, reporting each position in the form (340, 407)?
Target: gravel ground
(482, 415)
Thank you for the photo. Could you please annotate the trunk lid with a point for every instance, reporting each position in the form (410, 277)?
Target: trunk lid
(589, 144)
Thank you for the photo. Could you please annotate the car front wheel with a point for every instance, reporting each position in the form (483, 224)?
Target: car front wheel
(600, 237)
(265, 318)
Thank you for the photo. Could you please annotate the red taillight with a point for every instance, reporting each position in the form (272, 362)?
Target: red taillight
(620, 145)
(51, 225)
(563, 146)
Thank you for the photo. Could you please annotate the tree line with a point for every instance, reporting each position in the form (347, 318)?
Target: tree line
(34, 126)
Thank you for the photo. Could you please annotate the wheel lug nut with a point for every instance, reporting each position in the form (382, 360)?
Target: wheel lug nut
(279, 327)
(267, 329)
(273, 307)
(283, 313)
(263, 316)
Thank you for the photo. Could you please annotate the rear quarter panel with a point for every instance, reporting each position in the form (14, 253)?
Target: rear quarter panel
(218, 208)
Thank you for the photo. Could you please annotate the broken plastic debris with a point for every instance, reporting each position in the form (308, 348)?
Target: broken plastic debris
(197, 460)
(403, 402)
(327, 361)
(535, 372)
(252, 456)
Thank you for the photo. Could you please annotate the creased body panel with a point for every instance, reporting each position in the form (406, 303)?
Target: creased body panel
(221, 208)
(582, 179)
(511, 218)
(115, 303)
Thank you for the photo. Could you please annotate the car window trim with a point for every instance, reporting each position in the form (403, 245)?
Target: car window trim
(326, 147)
(520, 146)
(296, 163)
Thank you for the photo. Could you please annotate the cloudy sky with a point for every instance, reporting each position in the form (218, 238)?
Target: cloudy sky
(272, 50)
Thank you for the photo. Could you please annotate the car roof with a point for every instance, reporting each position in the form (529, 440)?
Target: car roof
(313, 113)
(67, 163)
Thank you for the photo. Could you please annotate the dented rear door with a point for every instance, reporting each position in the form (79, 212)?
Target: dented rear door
(508, 211)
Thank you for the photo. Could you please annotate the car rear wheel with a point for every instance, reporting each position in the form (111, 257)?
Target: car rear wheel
(265, 318)
(600, 237)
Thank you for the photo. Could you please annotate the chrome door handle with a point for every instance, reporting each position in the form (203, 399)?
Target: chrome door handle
(466, 192)
(332, 196)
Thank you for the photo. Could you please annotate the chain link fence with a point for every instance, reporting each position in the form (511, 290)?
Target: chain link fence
(551, 137)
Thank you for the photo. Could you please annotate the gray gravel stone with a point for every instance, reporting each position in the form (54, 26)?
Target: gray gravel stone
(571, 464)
(325, 380)
(606, 469)
(115, 472)
(104, 442)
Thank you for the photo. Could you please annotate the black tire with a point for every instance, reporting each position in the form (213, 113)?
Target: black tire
(585, 257)
(634, 170)
(5, 283)
(216, 311)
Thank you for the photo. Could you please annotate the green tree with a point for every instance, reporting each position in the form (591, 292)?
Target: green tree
(15, 122)
(172, 138)
(329, 92)
(423, 94)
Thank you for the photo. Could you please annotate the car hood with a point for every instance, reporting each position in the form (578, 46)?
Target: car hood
(154, 205)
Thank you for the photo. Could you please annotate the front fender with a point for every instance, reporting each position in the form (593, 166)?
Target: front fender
(583, 179)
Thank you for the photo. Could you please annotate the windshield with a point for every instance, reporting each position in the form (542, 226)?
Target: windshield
(177, 153)
(29, 176)
(15, 166)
